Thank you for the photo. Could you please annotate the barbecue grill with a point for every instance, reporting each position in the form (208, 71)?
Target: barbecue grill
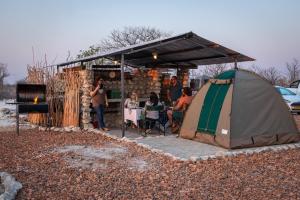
(30, 98)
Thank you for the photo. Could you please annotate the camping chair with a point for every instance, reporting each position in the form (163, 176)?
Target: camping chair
(160, 117)
(177, 118)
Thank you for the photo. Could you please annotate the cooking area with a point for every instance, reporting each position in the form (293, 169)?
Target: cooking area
(30, 98)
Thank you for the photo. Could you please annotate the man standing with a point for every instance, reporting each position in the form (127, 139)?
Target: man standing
(99, 100)
(175, 90)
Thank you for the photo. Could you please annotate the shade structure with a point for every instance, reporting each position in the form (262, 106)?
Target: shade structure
(184, 50)
(239, 109)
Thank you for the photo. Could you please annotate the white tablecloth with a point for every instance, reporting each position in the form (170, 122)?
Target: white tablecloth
(133, 115)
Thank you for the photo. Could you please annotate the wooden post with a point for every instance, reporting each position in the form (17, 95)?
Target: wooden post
(122, 94)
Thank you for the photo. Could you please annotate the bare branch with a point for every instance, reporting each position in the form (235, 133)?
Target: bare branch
(271, 74)
(214, 70)
(293, 70)
(125, 37)
(3, 73)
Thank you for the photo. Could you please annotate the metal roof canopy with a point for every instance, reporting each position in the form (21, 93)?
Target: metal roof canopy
(186, 50)
(182, 51)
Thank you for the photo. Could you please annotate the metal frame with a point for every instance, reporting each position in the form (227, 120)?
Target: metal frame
(201, 43)
(122, 94)
(17, 119)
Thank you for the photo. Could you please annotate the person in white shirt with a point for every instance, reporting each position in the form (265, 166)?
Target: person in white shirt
(151, 115)
(132, 102)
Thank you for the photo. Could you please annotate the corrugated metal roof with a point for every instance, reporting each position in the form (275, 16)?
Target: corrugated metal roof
(185, 50)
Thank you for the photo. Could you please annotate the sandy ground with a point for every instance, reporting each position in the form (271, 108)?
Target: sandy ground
(90, 166)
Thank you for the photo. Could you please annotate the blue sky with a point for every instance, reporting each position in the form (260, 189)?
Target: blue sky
(267, 30)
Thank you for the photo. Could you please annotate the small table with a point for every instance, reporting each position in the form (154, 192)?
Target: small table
(133, 115)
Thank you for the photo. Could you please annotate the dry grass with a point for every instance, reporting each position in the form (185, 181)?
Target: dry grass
(71, 99)
(63, 95)
(36, 75)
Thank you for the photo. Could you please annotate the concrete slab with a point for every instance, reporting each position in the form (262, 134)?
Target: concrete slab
(179, 147)
(134, 133)
(184, 149)
(129, 134)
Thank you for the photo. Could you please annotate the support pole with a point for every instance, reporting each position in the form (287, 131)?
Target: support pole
(235, 64)
(122, 94)
(17, 118)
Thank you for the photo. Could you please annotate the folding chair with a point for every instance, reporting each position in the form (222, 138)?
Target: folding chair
(161, 117)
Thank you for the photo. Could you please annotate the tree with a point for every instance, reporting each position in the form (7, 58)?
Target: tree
(214, 70)
(125, 37)
(271, 74)
(92, 50)
(3, 74)
(293, 70)
(195, 73)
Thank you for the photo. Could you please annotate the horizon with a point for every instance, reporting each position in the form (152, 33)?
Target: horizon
(266, 31)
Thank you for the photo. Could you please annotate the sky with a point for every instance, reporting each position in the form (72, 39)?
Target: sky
(267, 30)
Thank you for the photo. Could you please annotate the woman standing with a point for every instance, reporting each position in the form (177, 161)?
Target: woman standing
(99, 100)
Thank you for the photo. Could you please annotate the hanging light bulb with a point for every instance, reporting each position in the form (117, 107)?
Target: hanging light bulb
(115, 62)
(154, 54)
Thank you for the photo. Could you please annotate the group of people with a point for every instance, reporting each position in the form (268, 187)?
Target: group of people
(178, 96)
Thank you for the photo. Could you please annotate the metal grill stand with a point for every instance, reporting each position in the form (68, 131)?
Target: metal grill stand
(30, 98)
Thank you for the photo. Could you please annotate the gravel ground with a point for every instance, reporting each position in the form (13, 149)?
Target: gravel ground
(59, 166)
(2, 189)
(297, 120)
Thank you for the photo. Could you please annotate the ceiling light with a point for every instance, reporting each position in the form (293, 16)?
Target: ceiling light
(154, 55)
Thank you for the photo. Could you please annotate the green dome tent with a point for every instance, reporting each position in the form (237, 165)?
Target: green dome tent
(239, 109)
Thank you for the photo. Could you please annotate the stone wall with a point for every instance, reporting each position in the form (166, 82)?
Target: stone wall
(113, 120)
(142, 82)
(87, 78)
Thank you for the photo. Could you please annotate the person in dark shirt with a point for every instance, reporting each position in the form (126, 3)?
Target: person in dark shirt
(175, 90)
(99, 101)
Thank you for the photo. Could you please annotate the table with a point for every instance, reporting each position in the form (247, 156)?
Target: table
(133, 115)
